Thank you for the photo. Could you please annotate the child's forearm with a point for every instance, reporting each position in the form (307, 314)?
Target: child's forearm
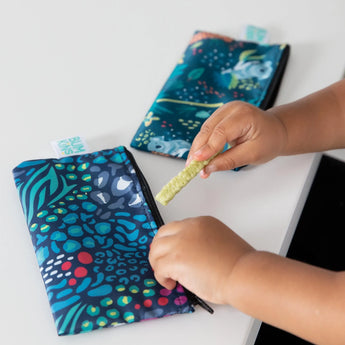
(303, 299)
(315, 122)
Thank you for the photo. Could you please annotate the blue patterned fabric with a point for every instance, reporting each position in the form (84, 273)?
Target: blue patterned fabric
(213, 70)
(91, 223)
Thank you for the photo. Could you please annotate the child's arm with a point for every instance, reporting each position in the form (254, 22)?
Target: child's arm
(313, 123)
(302, 299)
(209, 259)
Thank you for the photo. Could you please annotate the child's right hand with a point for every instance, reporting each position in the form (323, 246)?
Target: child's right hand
(256, 136)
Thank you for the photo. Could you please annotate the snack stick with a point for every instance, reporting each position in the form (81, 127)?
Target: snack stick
(180, 180)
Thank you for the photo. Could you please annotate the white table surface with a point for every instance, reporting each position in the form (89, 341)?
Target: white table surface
(93, 68)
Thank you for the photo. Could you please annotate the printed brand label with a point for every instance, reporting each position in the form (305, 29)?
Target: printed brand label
(254, 34)
(70, 146)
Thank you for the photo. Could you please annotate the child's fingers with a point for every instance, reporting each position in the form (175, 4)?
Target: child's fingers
(161, 267)
(231, 123)
(203, 136)
(166, 230)
(235, 157)
(199, 141)
(208, 142)
(159, 257)
(168, 283)
(230, 130)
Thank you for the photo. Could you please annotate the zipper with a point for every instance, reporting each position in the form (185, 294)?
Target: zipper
(146, 190)
(194, 299)
(273, 88)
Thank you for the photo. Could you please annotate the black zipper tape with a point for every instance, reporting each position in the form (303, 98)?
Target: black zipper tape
(146, 190)
(194, 299)
(273, 88)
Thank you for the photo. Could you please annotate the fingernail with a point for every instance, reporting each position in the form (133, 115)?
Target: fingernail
(209, 169)
(203, 174)
(197, 153)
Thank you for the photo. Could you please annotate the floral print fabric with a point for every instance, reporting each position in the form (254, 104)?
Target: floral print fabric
(213, 70)
(91, 224)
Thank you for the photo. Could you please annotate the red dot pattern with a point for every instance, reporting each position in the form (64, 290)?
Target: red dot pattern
(163, 301)
(66, 266)
(85, 258)
(72, 282)
(147, 303)
(80, 272)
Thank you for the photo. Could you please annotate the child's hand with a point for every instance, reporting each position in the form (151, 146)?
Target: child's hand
(256, 136)
(200, 253)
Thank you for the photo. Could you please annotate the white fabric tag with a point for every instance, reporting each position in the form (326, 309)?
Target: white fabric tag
(254, 34)
(70, 146)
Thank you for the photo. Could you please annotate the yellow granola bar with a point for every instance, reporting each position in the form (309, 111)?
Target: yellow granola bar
(180, 180)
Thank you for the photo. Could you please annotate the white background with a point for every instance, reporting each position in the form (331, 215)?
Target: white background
(93, 68)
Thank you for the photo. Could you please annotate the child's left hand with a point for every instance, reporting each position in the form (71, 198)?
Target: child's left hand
(200, 253)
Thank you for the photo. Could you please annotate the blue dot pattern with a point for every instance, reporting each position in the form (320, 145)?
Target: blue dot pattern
(91, 227)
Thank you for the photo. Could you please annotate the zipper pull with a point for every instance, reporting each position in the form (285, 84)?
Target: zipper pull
(195, 300)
